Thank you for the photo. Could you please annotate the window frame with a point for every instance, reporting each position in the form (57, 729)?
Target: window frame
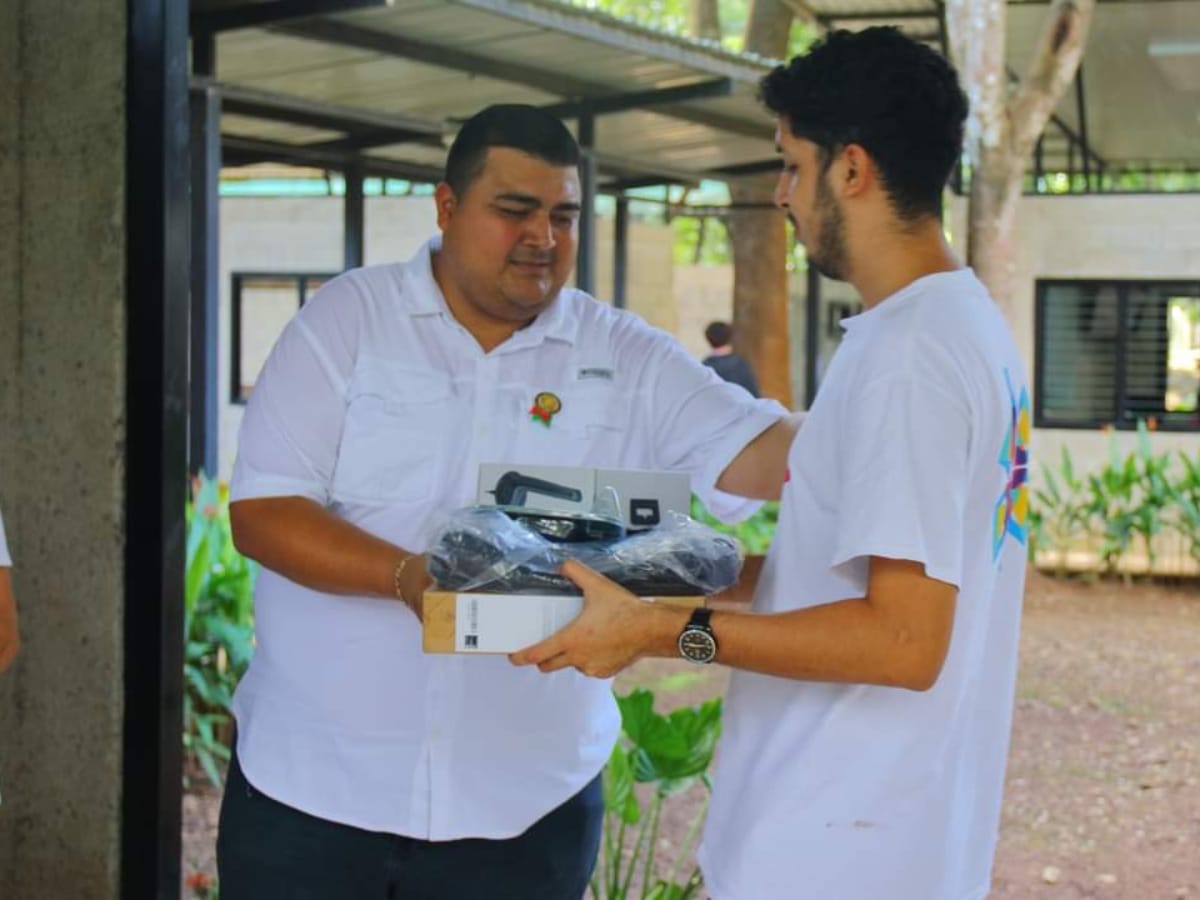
(239, 280)
(1120, 420)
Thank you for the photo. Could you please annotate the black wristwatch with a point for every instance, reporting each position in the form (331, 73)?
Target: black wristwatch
(697, 643)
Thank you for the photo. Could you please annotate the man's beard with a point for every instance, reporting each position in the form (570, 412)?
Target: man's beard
(828, 254)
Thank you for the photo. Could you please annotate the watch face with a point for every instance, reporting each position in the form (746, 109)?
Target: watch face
(697, 645)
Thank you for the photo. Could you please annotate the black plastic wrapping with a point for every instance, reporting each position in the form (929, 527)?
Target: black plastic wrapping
(481, 549)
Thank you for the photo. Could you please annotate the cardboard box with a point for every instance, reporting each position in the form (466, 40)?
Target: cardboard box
(504, 623)
(643, 497)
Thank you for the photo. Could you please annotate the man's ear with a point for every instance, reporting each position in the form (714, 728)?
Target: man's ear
(857, 171)
(445, 202)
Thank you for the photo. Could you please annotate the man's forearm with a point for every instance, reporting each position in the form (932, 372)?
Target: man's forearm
(847, 641)
(309, 545)
(760, 469)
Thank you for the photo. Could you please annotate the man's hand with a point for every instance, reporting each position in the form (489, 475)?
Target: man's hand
(614, 630)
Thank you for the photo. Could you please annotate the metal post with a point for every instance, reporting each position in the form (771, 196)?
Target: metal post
(205, 299)
(620, 252)
(353, 217)
(812, 333)
(157, 247)
(585, 273)
(1039, 165)
(1081, 111)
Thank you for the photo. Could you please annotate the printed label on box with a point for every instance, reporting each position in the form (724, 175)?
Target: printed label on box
(505, 623)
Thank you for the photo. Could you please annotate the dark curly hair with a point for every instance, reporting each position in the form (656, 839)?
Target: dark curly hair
(897, 99)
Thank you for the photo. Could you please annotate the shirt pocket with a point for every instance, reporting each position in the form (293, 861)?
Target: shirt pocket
(395, 433)
(592, 427)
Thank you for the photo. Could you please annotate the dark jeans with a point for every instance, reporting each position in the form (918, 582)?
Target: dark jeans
(266, 850)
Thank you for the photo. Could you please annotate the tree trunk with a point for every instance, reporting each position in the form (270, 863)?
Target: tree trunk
(759, 240)
(1002, 131)
(704, 20)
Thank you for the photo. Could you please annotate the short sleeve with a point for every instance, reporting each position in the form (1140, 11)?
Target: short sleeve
(5, 559)
(701, 423)
(292, 427)
(904, 476)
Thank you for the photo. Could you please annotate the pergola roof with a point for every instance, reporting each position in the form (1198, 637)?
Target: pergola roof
(388, 83)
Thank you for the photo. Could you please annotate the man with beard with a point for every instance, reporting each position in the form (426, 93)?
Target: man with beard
(364, 768)
(865, 737)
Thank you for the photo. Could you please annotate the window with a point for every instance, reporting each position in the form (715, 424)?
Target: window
(1114, 352)
(262, 304)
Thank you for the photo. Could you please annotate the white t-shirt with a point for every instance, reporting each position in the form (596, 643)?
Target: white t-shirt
(915, 449)
(5, 559)
(376, 402)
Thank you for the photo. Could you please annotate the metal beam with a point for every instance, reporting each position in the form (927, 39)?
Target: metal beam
(294, 110)
(880, 15)
(242, 151)
(721, 87)
(546, 80)
(597, 28)
(750, 168)
(258, 14)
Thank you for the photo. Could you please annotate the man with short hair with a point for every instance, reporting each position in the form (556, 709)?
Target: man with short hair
(364, 768)
(865, 736)
(724, 361)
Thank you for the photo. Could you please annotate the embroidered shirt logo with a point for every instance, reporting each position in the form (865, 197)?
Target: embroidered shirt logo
(545, 407)
(594, 373)
(1012, 509)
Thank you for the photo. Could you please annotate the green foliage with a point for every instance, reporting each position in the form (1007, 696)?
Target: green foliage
(671, 753)
(755, 533)
(1129, 503)
(218, 627)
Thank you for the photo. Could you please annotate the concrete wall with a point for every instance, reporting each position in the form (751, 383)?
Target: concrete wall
(1120, 237)
(62, 401)
(304, 235)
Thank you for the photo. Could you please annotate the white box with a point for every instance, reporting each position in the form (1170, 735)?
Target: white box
(503, 623)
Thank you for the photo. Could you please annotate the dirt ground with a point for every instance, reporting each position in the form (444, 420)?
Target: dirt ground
(1103, 790)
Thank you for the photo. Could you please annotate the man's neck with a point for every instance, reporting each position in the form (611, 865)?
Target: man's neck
(488, 331)
(727, 350)
(893, 262)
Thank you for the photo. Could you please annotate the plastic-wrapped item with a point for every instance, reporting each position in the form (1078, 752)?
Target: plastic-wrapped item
(481, 549)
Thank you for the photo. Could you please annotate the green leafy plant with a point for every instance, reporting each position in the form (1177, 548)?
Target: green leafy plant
(218, 627)
(671, 753)
(755, 533)
(1059, 513)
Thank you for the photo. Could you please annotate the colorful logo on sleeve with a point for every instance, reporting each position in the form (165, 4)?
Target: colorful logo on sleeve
(1012, 509)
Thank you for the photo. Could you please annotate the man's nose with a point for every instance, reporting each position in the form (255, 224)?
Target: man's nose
(539, 231)
(782, 183)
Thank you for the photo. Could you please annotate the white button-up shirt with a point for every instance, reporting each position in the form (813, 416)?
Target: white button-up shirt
(378, 404)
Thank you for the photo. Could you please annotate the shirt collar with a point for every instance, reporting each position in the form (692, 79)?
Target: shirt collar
(559, 321)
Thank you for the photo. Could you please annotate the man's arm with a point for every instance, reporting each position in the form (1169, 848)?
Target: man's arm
(306, 543)
(10, 638)
(760, 469)
(897, 635)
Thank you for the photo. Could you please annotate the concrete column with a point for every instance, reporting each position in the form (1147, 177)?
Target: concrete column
(62, 410)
